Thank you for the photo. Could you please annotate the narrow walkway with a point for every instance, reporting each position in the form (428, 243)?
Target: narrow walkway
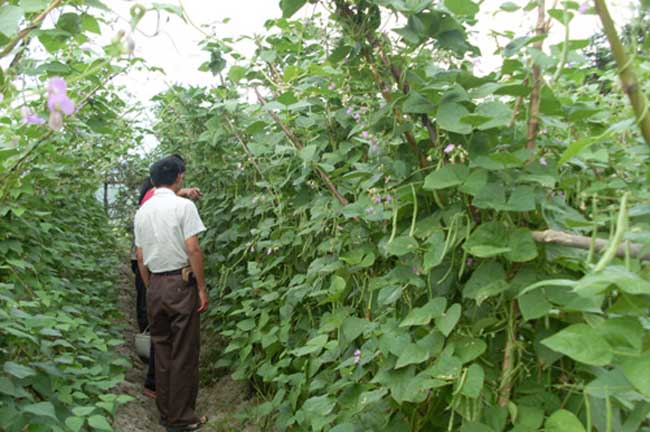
(223, 400)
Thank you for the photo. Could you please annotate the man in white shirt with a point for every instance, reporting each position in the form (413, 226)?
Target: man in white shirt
(166, 229)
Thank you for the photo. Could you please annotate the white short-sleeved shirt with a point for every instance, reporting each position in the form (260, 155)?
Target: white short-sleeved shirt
(162, 225)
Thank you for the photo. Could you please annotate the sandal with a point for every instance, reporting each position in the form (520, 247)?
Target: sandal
(190, 427)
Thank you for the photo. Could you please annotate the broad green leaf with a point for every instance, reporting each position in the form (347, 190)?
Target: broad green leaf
(10, 17)
(509, 7)
(624, 334)
(636, 371)
(290, 7)
(488, 239)
(99, 422)
(319, 405)
(596, 283)
(435, 252)
(423, 315)
(19, 371)
(473, 381)
(75, 423)
(83, 411)
(41, 409)
(413, 354)
(498, 114)
(401, 246)
(34, 5)
(449, 319)
(447, 176)
(449, 118)
(353, 327)
(313, 345)
(415, 103)
(534, 305)
(563, 421)
(522, 246)
(488, 280)
(582, 343)
(462, 7)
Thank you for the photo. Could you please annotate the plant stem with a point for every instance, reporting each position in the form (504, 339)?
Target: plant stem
(533, 120)
(629, 80)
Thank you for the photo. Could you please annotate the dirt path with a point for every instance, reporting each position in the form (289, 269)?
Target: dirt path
(223, 400)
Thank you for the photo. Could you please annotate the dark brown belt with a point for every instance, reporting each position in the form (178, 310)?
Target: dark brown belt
(169, 273)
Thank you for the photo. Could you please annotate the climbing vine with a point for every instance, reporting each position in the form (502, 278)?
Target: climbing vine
(396, 241)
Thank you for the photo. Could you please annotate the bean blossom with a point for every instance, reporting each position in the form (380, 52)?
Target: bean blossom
(58, 102)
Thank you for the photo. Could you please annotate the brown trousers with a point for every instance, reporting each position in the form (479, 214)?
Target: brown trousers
(174, 327)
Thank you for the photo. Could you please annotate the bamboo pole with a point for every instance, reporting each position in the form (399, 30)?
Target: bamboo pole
(583, 242)
(628, 77)
(533, 116)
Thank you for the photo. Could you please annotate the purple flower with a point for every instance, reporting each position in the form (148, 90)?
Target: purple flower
(60, 102)
(357, 356)
(388, 198)
(30, 118)
(470, 261)
(370, 210)
(365, 134)
(583, 8)
(56, 120)
(449, 148)
(86, 47)
(58, 99)
(331, 87)
(376, 199)
(349, 111)
(57, 85)
(356, 116)
(415, 270)
(542, 161)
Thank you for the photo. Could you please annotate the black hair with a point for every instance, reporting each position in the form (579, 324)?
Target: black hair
(165, 171)
(144, 188)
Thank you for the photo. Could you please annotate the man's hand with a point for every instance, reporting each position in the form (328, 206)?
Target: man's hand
(191, 193)
(203, 300)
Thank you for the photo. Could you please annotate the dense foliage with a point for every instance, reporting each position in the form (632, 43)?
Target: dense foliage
(62, 131)
(376, 212)
(372, 218)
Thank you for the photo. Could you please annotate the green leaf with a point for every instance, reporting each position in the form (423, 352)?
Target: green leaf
(10, 17)
(90, 24)
(412, 354)
(473, 381)
(497, 113)
(488, 280)
(313, 345)
(423, 315)
(488, 240)
(83, 411)
(449, 319)
(99, 422)
(449, 118)
(75, 423)
(353, 327)
(447, 176)
(34, 5)
(436, 251)
(596, 283)
(41, 409)
(636, 371)
(509, 7)
(401, 246)
(522, 246)
(563, 421)
(19, 371)
(462, 7)
(290, 7)
(582, 343)
(415, 103)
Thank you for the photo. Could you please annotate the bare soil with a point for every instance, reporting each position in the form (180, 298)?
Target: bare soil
(223, 400)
